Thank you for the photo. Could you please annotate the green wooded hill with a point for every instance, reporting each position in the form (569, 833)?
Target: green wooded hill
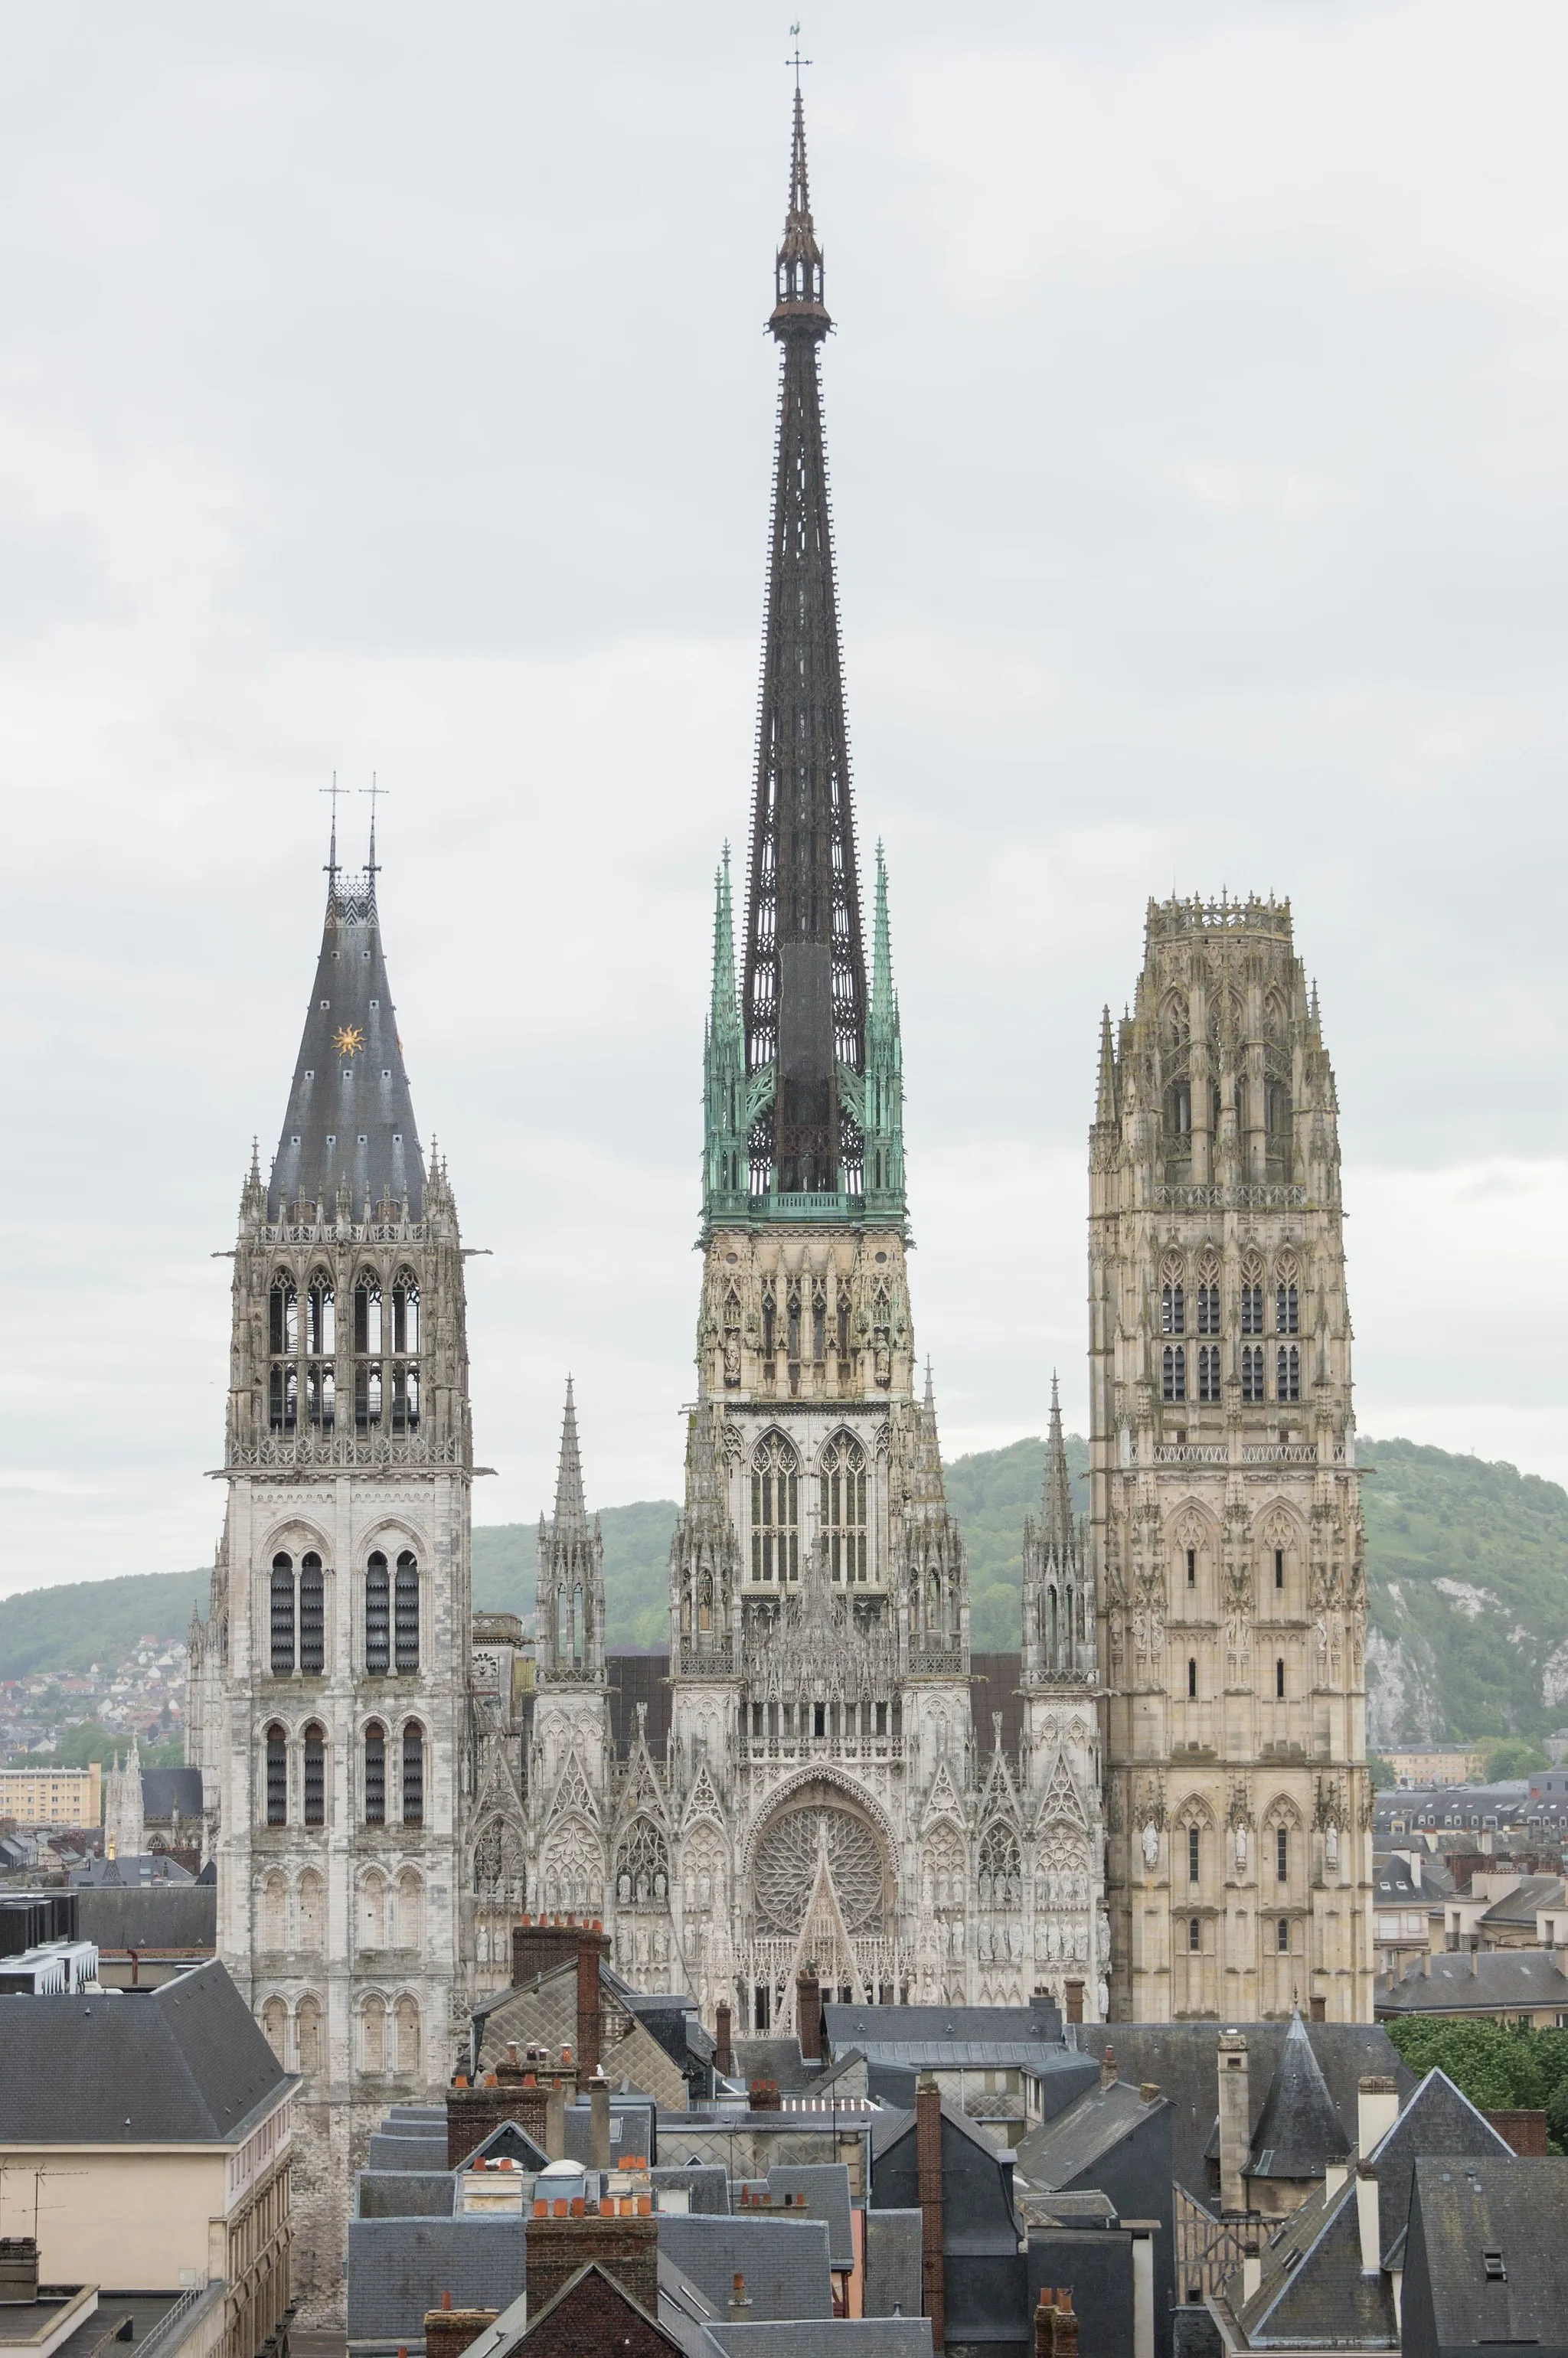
(1467, 1561)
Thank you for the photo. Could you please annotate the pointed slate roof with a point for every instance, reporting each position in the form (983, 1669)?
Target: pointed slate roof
(1298, 2131)
(349, 1122)
(570, 1507)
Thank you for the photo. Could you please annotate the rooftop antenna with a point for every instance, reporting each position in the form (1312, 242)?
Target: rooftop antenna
(333, 790)
(372, 789)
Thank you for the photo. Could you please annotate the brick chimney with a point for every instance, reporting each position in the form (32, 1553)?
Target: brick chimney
(1108, 2069)
(929, 2164)
(1045, 2324)
(808, 2013)
(1235, 2120)
(599, 2122)
(723, 2053)
(593, 1943)
(625, 2247)
(449, 2331)
(1066, 2323)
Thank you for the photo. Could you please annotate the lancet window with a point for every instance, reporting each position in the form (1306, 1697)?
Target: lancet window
(843, 1508)
(1287, 1372)
(378, 1616)
(1000, 1872)
(368, 1372)
(1175, 1371)
(283, 1343)
(282, 1622)
(320, 1344)
(405, 1654)
(413, 1773)
(1208, 1373)
(375, 1774)
(312, 1615)
(775, 1511)
(1209, 1305)
(641, 1867)
(1251, 1374)
(405, 1349)
(1252, 1302)
(1173, 1307)
(314, 1776)
(276, 1776)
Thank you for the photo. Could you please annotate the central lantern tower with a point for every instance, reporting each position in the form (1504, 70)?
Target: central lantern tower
(819, 1600)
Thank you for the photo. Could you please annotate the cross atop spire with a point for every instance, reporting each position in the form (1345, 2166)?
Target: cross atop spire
(570, 1506)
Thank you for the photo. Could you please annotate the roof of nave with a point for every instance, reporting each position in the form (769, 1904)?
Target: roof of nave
(349, 1122)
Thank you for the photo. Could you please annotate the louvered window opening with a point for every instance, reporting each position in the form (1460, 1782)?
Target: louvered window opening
(281, 1617)
(276, 1778)
(408, 1618)
(315, 1778)
(312, 1616)
(375, 1776)
(378, 1616)
(413, 1776)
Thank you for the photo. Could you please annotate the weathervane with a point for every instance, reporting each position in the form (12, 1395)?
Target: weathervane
(797, 61)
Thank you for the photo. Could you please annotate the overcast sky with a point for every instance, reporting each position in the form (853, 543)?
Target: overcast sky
(383, 388)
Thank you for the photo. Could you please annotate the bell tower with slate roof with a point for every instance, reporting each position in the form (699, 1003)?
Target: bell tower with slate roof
(334, 1664)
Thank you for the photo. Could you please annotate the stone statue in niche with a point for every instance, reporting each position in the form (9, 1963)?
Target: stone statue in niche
(1242, 1850)
(1151, 1844)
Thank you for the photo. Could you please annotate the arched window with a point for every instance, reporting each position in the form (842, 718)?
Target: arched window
(705, 1605)
(367, 1351)
(308, 2034)
(407, 1616)
(1179, 1110)
(1051, 1623)
(1288, 1374)
(1252, 1302)
(274, 1913)
(407, 2026)
(315, 1775)
(935, 1616)
(1282, 1936)
(1208, 1373)
(843, 1477)
(1192, 1567)
(1287, 1306)
(410, 1910)
(283, 1338)
(1282, 1854)
(373, 1912)
(373, 2035)
(321, 1343)
(274, 2025)
(312, 1615)
(1195, 1934)
(413, 1773)
(1279, 1680)
(1251, 1374)
(1279, 1567)
(775, 1510)
(1172, 1309)
(406, 1313)
(378, 1616)
(1209, 1305)
(276, 1776)
(375, 1774)
(1175, 1371)
(1193, 1685)
(282, 1615)
(312, 1913)
(1193, 1854)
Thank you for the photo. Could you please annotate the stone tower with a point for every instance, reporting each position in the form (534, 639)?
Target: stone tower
(1226, 1534)
(567, 1764)
(330, 1678)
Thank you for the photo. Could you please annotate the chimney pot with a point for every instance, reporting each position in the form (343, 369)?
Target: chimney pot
(446, 2300)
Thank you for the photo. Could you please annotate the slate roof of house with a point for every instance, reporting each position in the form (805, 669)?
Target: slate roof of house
(390, 2152)
(786, 2262)
(1059, 2151)
(707, 2182)
(1478, 1981)
(164, 1789)
(1182, 2058)
(505, 2142)
(892, 2262)
(1516, 2209)
(1518, 1906)
(1298, 2130)
(552, 2335)
(1314, 2293)
(150, 1916)
(404, 2194)
(1438, 2119)
(938, 2038)
(823, 2187)
(399, 2269)
(150, 1866)
(185, 2064)
(1394, 1885)
(851, 2337)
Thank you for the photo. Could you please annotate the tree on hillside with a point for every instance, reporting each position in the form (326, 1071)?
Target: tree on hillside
(1513, 1757)
(1382, 1773)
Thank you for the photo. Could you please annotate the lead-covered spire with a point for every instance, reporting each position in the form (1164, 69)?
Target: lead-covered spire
(803, 995)
(349, 1125)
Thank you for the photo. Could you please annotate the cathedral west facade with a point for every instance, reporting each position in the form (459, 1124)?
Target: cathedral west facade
(391, 1782)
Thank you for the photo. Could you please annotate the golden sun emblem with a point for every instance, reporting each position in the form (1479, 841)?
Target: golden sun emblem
(350, 1040)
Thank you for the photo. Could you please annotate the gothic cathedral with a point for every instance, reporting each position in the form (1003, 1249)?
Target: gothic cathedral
(1170, 1814)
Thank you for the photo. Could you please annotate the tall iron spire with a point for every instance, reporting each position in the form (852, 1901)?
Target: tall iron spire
(1057, 1517)
(804, 996)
